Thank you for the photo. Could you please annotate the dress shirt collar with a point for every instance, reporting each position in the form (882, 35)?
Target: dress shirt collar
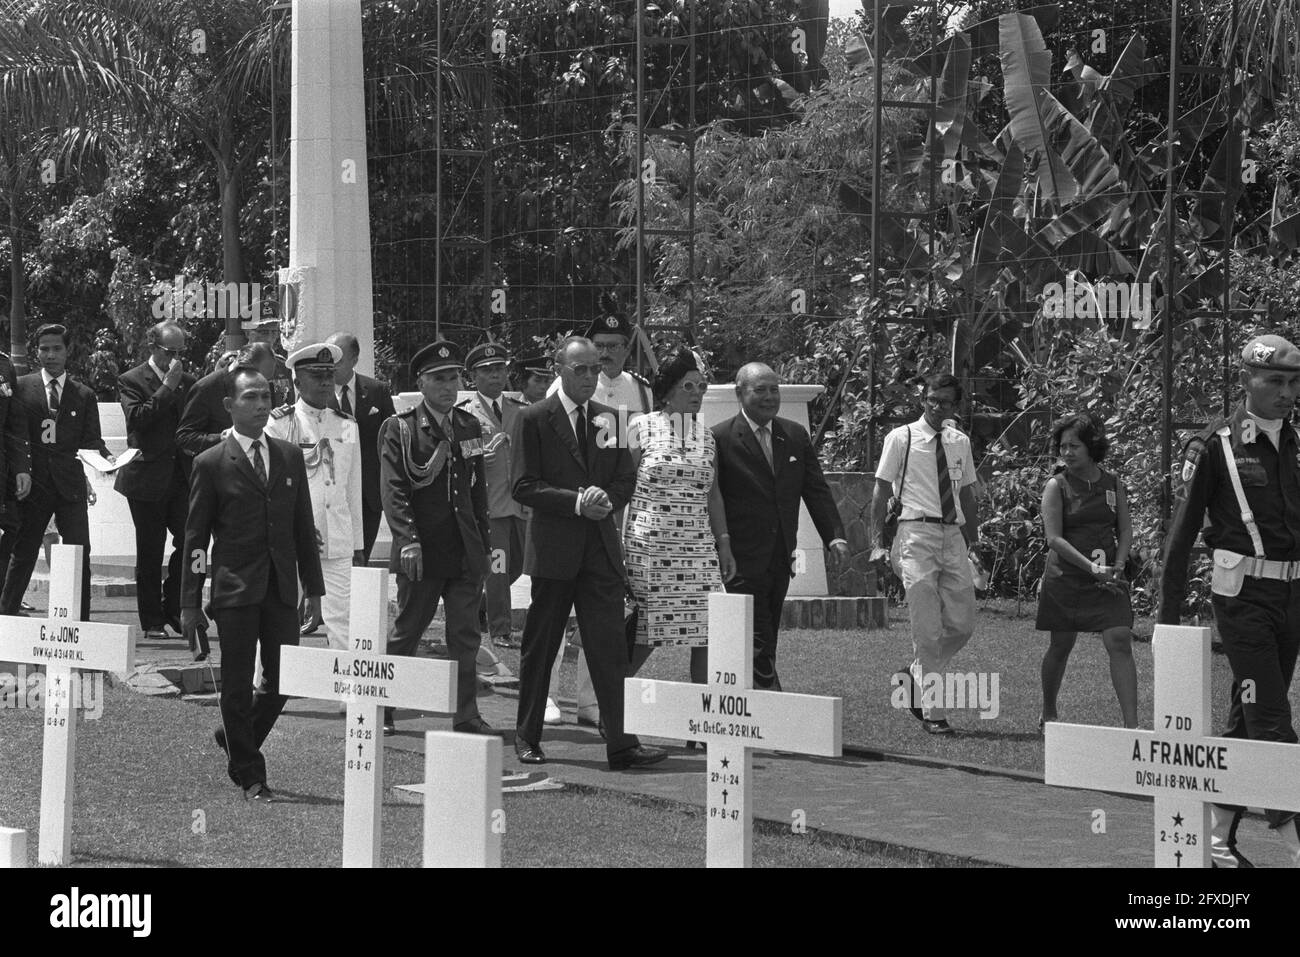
(246, 441)
(569, 404)
(62, 380)
(754, 426)
(156, 371)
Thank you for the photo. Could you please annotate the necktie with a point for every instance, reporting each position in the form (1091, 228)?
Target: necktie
(765, 440)
(580, 430)
(496, 410)
(345, 404)
(54, 396)
(946, 501)
(258, 465)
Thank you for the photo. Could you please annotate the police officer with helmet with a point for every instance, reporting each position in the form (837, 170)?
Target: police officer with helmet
(1243, 473)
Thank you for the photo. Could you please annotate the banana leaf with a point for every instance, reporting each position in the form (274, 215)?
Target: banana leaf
(954, 93)
(1026, 73)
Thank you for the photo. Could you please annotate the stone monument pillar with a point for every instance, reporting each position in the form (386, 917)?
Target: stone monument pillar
(328, 277)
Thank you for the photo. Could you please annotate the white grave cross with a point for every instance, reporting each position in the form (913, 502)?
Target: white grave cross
(1178, 764)
(368, 680)
(732, 719)
(64, 646)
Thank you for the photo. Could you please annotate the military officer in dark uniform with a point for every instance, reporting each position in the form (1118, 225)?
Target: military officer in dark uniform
(1244, 473)
(434, 492)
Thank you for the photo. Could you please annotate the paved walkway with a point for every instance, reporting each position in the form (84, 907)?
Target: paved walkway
(938, 815)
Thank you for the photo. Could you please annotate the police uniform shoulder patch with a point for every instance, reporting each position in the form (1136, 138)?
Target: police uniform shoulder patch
(511, 400)
(343, 415)
(282, 411)
(464, 403)
(638, 377)
(1195, 449)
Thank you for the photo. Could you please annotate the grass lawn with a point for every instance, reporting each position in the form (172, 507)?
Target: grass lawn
(857, 667)
(152, 791)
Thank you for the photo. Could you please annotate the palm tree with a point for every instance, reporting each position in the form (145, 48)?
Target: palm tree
(62, 98)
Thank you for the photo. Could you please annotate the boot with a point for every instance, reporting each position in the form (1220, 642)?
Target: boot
(1223, 838)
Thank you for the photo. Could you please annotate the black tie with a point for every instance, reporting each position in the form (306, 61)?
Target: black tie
(345, 405)
(54, 396)
(496, 410)
(580, 429)
(258, 465)
(946, 502)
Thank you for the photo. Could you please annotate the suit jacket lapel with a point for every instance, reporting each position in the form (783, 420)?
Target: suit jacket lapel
(750, 443)
(242, 464)
(275, 465)
(560, 425)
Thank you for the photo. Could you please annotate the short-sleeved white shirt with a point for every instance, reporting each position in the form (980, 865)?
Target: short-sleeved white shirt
(921, 488)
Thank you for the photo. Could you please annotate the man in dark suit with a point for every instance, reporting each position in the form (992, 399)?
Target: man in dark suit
(154, 484)
(15, 459)
(369, 402)
(249, 493)
(766, 465)
(435, 499)
(205, 417)
(62, 416)
(574, 470)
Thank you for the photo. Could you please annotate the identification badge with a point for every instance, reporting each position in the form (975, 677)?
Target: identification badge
(1110, 497)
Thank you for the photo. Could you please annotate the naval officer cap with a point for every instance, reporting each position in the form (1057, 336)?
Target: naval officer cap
(1271, 354)
(318, 355)
(610, 324)
(487, 354)
(437, 356)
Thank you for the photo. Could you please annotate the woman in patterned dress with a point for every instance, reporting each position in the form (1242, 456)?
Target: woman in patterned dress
(1086, 520)
(675, 540)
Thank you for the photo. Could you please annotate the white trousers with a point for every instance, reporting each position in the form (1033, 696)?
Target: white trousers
(336, 603)
(934, 564)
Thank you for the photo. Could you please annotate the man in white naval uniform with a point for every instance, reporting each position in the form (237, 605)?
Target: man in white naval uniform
(631, 395)
(331, 446)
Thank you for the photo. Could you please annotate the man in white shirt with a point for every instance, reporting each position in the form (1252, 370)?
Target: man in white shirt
(332, 454)
(931, 458)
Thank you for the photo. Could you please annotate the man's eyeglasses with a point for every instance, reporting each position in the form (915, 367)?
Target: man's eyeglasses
(939, 403)
(583, 371)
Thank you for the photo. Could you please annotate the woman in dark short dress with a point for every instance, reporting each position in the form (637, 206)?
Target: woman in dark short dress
(1086, 520)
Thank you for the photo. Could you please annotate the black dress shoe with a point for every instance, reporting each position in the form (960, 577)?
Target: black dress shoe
(529, 753)
(475, 726)
(259, 794)
(638, 757)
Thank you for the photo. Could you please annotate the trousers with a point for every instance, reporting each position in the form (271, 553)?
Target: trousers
(249, 716)
(416, 604)
(335, 604)
(507, 535)
(934, 565)
(1260, 631)
(73, 523)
